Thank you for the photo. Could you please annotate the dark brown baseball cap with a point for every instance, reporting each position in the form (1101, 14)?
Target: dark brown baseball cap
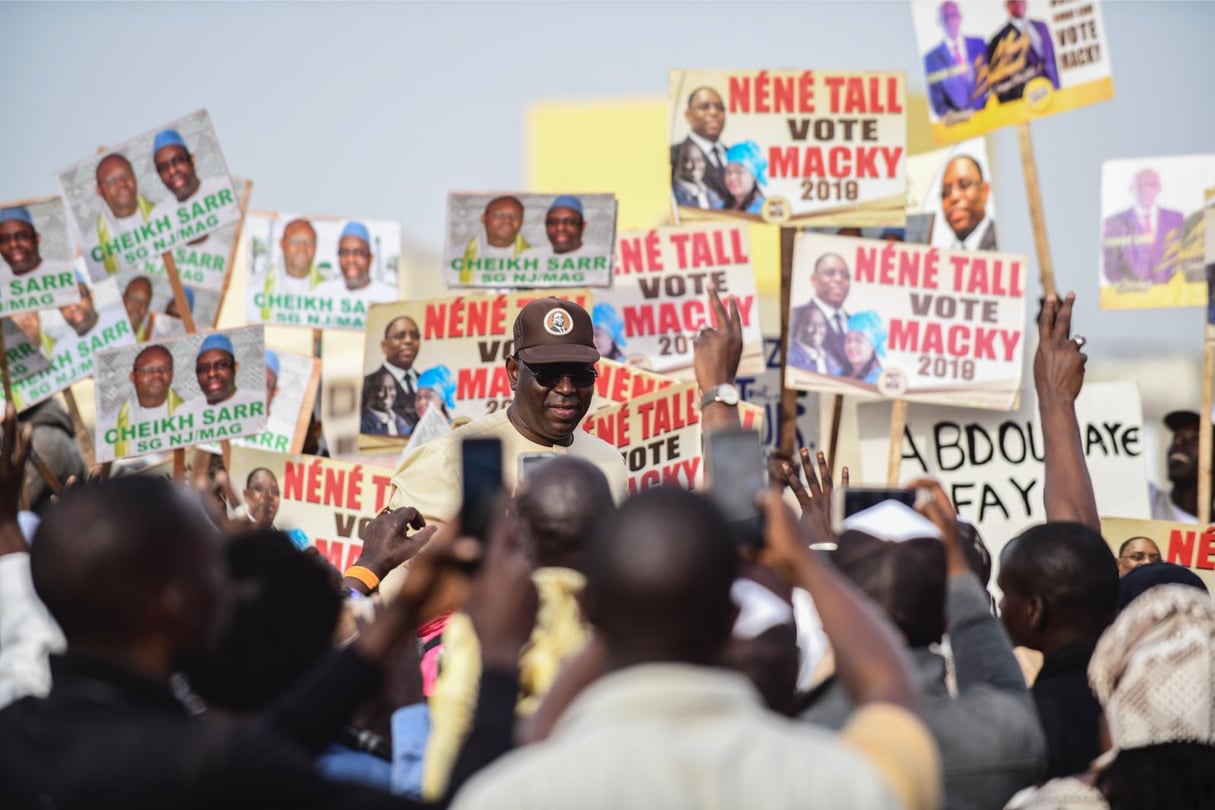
(553, 330)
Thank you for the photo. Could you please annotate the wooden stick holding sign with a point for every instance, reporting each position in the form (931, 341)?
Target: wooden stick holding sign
(833, 430)
(187, 319)
(898, 424)
(1204, 436)
(82, 432)
(179, 291)
(1037, 215)
(788, 396)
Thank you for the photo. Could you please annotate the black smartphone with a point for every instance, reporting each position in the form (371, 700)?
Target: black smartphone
(482, 466)
(737, 473)
(846, 502)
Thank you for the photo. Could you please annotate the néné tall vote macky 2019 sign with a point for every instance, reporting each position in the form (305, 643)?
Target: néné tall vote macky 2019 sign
(789, 146)
(150, 195)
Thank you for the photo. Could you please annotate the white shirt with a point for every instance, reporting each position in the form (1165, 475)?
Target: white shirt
(290, 285)
(168, 206)
(389, 420)
(715, 151)
(972, 240)
(28, 634)
(377, 292)
(701, 193)
(399, 374)
(675, 736)
(1152, 215)
(831, 312)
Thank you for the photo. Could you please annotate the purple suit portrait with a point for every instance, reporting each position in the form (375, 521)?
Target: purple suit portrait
(1131, 253)
(954, 87)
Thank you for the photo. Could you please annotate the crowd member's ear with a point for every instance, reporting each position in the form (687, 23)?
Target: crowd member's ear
(1036, 614)
(512, 371)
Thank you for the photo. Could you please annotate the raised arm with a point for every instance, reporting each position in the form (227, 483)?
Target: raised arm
(716, 355)
(1058, 377)
(869, 658)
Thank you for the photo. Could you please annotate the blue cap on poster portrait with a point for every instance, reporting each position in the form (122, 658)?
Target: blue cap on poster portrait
(218, 340)
(168, 137)
(567, 201)
(189, 298)
(357, 229)
(16, 214)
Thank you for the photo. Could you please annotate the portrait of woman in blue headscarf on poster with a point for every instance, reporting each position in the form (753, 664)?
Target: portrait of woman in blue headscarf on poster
(864, 344)
(745, 173)
(609, 332)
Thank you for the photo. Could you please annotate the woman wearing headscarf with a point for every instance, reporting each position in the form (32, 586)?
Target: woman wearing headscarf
(745, 168)
(864, 344)
(609, 331)
(436, 388)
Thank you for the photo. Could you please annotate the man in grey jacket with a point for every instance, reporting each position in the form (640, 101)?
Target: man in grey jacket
(990, 738)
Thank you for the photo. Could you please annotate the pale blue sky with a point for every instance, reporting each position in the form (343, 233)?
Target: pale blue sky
(380, 108)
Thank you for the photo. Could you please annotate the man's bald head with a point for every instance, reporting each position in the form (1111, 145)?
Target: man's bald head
(103, 563)
(658, 573)
(560, 504)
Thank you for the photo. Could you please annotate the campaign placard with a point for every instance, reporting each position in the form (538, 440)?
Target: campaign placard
(1152, 245)
(988, 65)
(69, 337)
(148, 401)
(513, 239)
(22, 354)
(448, 353)
(878, 318)
(37, 269)
(319, 272)
(291, 387)
(952, 187)
(150, 195)
(808, 147)
(660, 299)
(1184, 544)
(619, 382)
(659, 435)
(991, 464)
(1209, 227)
(150, 297)
(764, 391)
(330, 502)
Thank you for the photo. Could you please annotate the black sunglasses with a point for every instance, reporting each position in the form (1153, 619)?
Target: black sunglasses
(548, 375)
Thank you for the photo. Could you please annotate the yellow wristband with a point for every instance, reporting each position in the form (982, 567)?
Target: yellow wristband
(364, 575)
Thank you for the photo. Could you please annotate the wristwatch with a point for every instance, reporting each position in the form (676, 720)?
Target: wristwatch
(726, 394)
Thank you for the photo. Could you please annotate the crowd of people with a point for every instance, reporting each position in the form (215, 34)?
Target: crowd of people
(158, 648)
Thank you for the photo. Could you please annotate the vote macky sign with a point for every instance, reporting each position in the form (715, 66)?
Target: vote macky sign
(823, 147)
(990, 464)
(660, 299)
(659, 435)
(330, 501)
(912, 322)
